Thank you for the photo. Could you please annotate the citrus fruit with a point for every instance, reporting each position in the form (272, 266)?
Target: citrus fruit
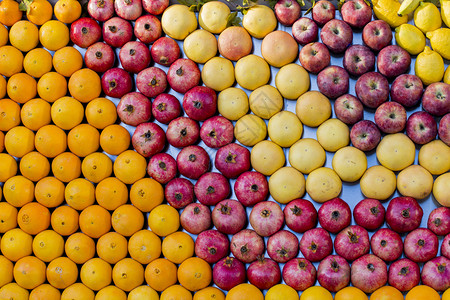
(54, 35)
(16, 244)
(66, 166)
(387, 293)
(164, 220)
(95, 221)
(250, 130)
(67, 11)
(44, 291)
(292, 81)
(84, 85)
(35, 114)
(160, 274)
(178, 21)
(130, 166)
(128, 274)
(282, 291)
(13, 291)
(18, 191)
(114, 139)
(62, 272)
(52, 86)
(422, 292)
(9, 114)
(48, 245)
(111, 193)
(37, 62)
(96, 274)
(245, 291)
(67, 61)
(127, 219)
(267, 157)
(29, 272)
(440, 41)
(64, 220)
(285, 128)
(178, 247)
(96, 167)
(77, 291)
(50, 141)
(24, 35)
(34, 166)
(429, 66)
(232, 103)
(79, 248)
(110, 292)
(213, 16)
(11, 59)
(259, 21)
(33, 218)
(427, 17)
(410, 38)
(252, 72)
(144, 246)
(101, 112)
(143, 292)
(313, 108)
(176, 292)
(19, 141)
(79, 193)
(39, 11)
(10, 12)
(21, 87)
(146, 194)
(83, 140)
(49, 191)
(8, 217)
(112, 247)
(209, 293)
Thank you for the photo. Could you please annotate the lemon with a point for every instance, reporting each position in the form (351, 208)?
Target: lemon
(386, 10)
(447, 75)
(410, 38)
(427, 17)
(440, 41)
(445, 12)
(429, 66)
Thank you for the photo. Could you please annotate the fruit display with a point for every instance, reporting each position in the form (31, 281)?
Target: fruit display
(152, 149)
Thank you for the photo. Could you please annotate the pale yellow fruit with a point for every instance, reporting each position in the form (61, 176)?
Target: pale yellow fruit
(266, 157)
(313, 108)
(200, 46)
(285, 128)
(307, 155)
(429, 66)
(440, 189)
(281, 291)
(323, 184)
(286, 184)
(349, 163)
(265, 101)
(333, 134)
(177, 21)
(213, 16)
(445, 14)
(292, 81)
(396, 151)
(446, 78)
(250, 129)
(427, 17)
(440, 41)
(410, 38)
(279, 48)
(218, 73)
(251, 72)
(435, 157)
(378, 182)
(415, 181)
(232, 103)
(259, 21)
(386, 10)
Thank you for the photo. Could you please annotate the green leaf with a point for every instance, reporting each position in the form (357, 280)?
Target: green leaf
(233, 19)
(313, 2)
(188, 3)
(272, 3)
(25, 5)
(301, 2)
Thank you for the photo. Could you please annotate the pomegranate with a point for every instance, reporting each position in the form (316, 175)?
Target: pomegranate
(333, 273)
(229, 216)
(264, 273)
(228, 272)
(193, 162)
(436, 273)
(403, 214)
(386, 244)
(128, 9)
(162, 167)
(352, 242)
(369, 213)
(266, 218)
(179, 192)
(369, 273)
(85, 32)
(116, 82)
(251, 187)
(134, 109)
(232, 160)
(165, 51)
(99, 57)
(134, 57)
(183, 73)
(282, 246)
(404, 274)
(300, 215)
(421, 245)
(200, 103)
(211, 246)
(155, 7)
(247, 245)
(439, 221)
(316, 244)
(445, 247)
(147, 29)
(195, 218)
(211, 188)
(217, 132)
(148, 139)
(117, 32)
(151, 81)
(165, 108)
(299, 274)
(182, 132)
(335, 215)
(101, 10)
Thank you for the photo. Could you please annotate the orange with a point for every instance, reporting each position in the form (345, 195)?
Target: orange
(83, 140)
(8, 217)
(79, 248)
(146, 194)
(2, 82)
(50, 140)
(111, 293)
(67, 11)
(130, 166)
(2, 140)
(77, 291)
(209, 293)
(115, 139)
(67, 112)
(54, 35)
(101, 112)
(39, 11)
(387, 293)
(246, 291)
(66, 166)
(164, 220)
(37, 62)
(85, 85)
(11, 59)
(176, 292)
(52, 86)
(127, 220)
(178, 247)
(64, 220)
(13, 291)
(8, 167)
(350, 293)
(29, 272)
(21, 87)
(3, 36)
(111, 193)
(95, 221)
(35, 114)
(143, 292)
(19, 141)
(45, 291)
(160, 274)
(18, 191)
(422, 292)
(128, 274)
(67, 61)
(112, 247)
(9, 114)
(33, 218)
(96, 274)
(49, 191)
(79, 193)
(9, 12)
(34, 166)
(24, 35)
(144, 246)
(62, 272)
(16, 244)
(48, 245)
(96, 167)
(194, 274)
(446, 295)
(6, 270)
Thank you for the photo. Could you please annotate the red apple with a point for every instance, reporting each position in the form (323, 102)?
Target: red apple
(393, 61)
(323, 11)
(356, 13)
(407, 90)
(348, 109)
(333, 81)
(365, 135)
(305, 31)
(390, 117)
(377, 35)
(336, 35)
(287, 11)
(372, 89)
(421, 127)
(436, 99)
(314, 57)
(358, 59)
(444, 129)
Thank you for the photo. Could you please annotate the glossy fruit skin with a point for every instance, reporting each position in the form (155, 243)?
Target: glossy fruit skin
(128, 9)
(229, 216)
(162, 167)
(282, 246)
(403, 214)
(266, 218)
(352, 242)
(333, 273)
(369, 213)
(117, 32)
(179, 192)
(165, 51)
(99, 57)
(134, 109)
(439, 221)
(251, 187)
(193, 162)
(217, 132)
(232, 160)
(116, 82)
(211, 246)
(316, 244)
(404, 274)
(421, 245)
(148, 139)
(183, 74)
(386, 244)
(368, 273)
(165, 108)
(335, 215)
(436, 273)
(183, 132)
(134, 57)
(211, 188)
(151, 82)
(84, 32)
(264, 273)
(247, 245)
(445, 246)
(196, 218)
(299, 273)
(101, 10)
(300, 215)
(200, 103)
(147, 29)
(229, 272)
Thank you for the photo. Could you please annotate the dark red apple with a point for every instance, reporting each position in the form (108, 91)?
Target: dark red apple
(348, 109)
(358, 59)
(323, 11)
(372, 89)
(336, 35)
(444, 129)
(390, 117)
(333, 81)
(314, 57)
(421, 127)
(407, 90)
(287, 11)
(377, 35)
(436, 99)
(356, 13)
(365, 135)
(393, 61)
